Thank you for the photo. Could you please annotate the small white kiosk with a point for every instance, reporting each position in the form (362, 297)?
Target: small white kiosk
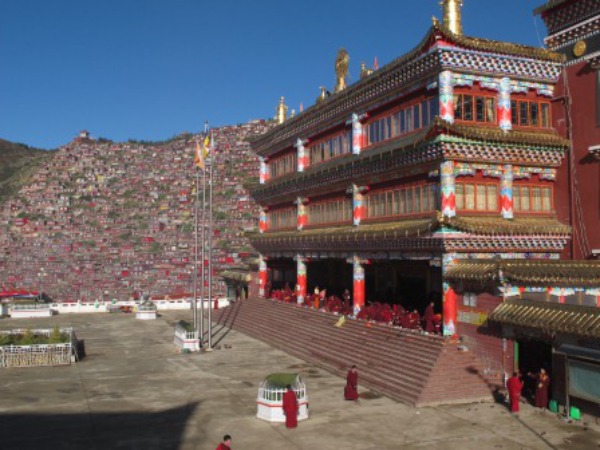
(270, 396)
(146, 311)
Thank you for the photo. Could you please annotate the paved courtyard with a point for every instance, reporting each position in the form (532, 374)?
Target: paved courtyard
(133, 391)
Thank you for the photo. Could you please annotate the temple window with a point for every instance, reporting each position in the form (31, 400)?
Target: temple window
(537, 199)
(477, 197)
(336, 211)
(530, 114)
(402, 122)
(282, 218)
(470, 299)
(283, 165)
(474, 108)
(402, 201)
(336, 146)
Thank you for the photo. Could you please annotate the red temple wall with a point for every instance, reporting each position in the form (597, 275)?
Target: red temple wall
(485, 340)
(585, 133)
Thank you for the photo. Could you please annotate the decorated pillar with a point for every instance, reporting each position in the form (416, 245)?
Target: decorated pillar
(262, 277)
(358, 207)
(302, 156)
(264, 171)
(504, 113)
(446, 87)
(300, 279)
(357, 134)
(302, 218)
(358, 278)
(450, 301)
(506, 192)
(263, 223)
(448, 188)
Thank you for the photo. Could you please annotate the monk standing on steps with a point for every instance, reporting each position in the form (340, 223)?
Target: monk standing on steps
(514, 386)
(290, 408)
(351, 389)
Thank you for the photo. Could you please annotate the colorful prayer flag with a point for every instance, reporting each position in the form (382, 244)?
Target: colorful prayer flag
(199, 157)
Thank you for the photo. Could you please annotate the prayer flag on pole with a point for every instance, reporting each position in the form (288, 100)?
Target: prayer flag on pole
(199, 157)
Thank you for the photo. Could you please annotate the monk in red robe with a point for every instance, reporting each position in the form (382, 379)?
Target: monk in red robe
(514, 386)
(542, 383)
(290, 408)
(226, 444)
(428, 316)
(351, 389)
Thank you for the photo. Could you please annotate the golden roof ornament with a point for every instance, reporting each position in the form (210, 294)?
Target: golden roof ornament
(281, 109)
(323, 95)
(452, 15)
(341, 69)
(364, 71)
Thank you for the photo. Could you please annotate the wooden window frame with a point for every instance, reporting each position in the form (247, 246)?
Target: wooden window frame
(477, 186)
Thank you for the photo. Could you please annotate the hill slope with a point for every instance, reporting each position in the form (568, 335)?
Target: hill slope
(18, 163)
(108, 219)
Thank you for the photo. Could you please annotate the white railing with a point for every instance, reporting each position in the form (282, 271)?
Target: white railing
(37, 354)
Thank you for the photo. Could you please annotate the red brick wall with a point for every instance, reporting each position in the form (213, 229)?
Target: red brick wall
(485, 340)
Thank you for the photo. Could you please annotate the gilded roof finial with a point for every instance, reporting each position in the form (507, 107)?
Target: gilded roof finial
(452, 15)
(341, 69)
(364, 71)
(323, 95)
(281, 114)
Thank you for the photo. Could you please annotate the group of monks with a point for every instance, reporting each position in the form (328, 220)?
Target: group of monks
(515, 386)
(376, 311)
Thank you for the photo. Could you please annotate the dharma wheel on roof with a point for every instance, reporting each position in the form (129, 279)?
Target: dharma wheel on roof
(270, 396)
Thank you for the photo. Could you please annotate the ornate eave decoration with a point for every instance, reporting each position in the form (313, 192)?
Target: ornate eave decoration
(517, 272)
(414, 68)
(489, 234)
(394, 158)
(548, 319)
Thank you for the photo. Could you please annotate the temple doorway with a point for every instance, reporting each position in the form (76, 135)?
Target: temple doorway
(335, 275)
(282, 272)
(532, 356)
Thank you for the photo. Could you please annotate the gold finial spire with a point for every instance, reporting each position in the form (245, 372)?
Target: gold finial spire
(364, 71)
(452, 15)
(323, 95)
(281, 111)
(341, 69)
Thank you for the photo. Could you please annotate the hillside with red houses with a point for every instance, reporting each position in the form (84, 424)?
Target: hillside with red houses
(111, 220)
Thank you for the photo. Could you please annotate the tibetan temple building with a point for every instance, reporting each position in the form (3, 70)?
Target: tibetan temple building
(441, 177)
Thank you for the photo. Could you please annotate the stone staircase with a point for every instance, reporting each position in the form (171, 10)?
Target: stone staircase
(412, 368)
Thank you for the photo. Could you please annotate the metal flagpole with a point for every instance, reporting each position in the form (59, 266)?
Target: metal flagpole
(195, 293)
(202, 271)
(210, 237)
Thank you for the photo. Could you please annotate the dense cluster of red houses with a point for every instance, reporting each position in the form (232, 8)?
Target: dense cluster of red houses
(104, 220)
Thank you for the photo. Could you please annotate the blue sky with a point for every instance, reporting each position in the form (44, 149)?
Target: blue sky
(150, 69)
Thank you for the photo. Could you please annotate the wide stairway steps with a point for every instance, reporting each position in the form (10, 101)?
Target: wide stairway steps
(407, 366)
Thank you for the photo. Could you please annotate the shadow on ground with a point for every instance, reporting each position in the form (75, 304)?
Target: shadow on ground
(132, 430)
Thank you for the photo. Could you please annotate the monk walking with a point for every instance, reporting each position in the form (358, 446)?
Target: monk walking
(514, 386)
(290, 408)
(226, 444)
(351, 389)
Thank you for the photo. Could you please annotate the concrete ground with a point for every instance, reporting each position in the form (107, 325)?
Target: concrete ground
(133, 391)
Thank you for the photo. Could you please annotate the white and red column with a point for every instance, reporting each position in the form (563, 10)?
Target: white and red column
(450, 300)
(448, 189)
(446, 88)
(504, 112)
(506, 192)
(358, 285)
(357, 134)
(300, 279)
(264, 171)
(301, 217)
(358, 207)
(263, 221)
(262, 277)
(303, 160)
